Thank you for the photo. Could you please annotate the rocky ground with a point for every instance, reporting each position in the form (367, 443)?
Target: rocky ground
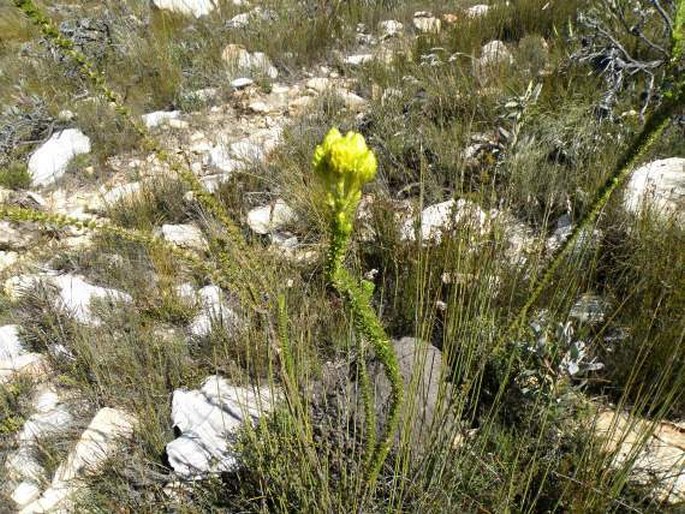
(229, 134)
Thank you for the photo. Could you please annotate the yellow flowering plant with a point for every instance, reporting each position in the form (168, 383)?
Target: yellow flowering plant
(344, 164)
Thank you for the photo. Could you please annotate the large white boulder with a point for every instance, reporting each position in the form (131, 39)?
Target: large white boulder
(651, 453)
(49, 162)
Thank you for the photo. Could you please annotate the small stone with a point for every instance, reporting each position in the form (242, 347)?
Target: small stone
(51, 418)
(15, 359)
(213, 312)
(269, 218)
(236, 56)
(241, 83)
(261, 107)
(14, 239)
(203, 324)
(247, 151)
(65, 115)
(351, 100)
(10, 345)
(444, 216)
(300, 104)
(389, 28)
(450, 18)
(426, 23)
(8, 259)
(204, 95)
(358, 59)
(157, 118)
(196, 167)
(589, 308)
(195, 8)
(15, 287)
(318, 84)
(49, 162)
(493, 53)
(185, 236)
(212, 182)
(220, 157)
(285, 241)
(178, 124)
(26, 492)
(477, 11)
(239, 21)
(242, 20)
(22, 464)
(659, 185)
(186, 292)
(563, 230)
(199, 143)
(119, 193)
(261, 64)
(76, 295)
(35, 201)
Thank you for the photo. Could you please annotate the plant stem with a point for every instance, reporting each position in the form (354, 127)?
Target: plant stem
(369, 327)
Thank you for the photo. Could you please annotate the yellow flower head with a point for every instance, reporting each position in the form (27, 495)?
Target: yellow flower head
(345, 157)
(344, 164)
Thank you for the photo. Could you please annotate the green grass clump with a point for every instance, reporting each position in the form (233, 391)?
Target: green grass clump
(15, 176)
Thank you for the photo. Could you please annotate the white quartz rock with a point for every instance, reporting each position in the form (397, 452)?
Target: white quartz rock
(213, 311)
(195, 8)
(207, 419)
(268, 218)
(443, 216)
(184, 236)
(99, 442)
(76, 296)
(660, 185)
(122, 192)
(15, 358)
(157, 118)
(49, 162)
